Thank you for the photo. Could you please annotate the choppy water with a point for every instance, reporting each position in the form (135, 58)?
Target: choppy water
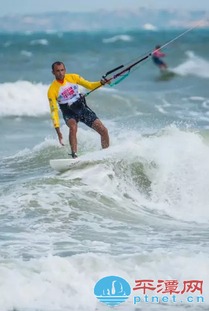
(140, 208)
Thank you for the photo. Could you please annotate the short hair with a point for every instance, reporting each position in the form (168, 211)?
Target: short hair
(57, 63)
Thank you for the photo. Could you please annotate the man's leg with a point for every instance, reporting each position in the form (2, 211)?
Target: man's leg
(72, 124)
(98, 126)
(163, 66)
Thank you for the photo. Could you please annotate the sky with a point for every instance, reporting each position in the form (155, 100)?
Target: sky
(10, 7)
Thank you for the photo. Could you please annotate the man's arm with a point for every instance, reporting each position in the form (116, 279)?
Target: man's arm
(59, 134)
(55, 115)
(87, 84)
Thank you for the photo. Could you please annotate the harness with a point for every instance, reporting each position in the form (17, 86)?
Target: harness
(76, 107)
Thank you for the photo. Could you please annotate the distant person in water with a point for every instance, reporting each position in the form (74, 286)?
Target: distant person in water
(156, 57)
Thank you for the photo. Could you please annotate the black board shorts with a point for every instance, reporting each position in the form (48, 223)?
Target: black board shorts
(79, 111)
(157, 61)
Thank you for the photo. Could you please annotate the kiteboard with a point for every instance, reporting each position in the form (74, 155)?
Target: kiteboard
(62, 165)
(166, 74)
(87, 159)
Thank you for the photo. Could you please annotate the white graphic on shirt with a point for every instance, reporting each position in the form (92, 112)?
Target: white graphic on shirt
(68, 94)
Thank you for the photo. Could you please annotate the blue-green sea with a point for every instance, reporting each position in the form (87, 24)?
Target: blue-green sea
(139, 210)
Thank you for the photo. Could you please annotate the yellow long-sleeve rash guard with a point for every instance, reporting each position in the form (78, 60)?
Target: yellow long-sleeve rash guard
(66, 92)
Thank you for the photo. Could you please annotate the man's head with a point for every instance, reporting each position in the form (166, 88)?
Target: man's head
(58, 70)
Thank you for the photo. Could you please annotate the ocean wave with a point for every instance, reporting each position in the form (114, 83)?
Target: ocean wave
(125, 38)
(194, 65)
(23, 98)
(57, 283)
(39, 42)
(164, 172)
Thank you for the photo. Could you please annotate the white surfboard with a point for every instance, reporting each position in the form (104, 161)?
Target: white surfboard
(62, 165)
(90, 158)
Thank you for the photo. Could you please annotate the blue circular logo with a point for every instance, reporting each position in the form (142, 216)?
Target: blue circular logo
(112, 290)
